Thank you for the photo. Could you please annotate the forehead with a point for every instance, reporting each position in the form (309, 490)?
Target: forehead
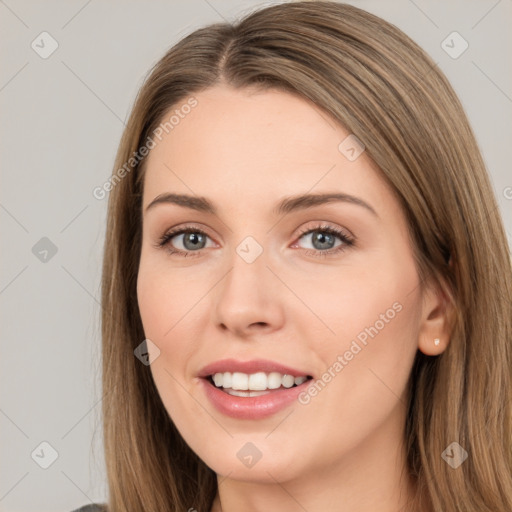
(252, 123)
(237, 144)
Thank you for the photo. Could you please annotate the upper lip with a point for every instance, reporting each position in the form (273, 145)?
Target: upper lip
(249, 367)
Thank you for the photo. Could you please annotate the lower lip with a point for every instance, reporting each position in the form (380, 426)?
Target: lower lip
(252, 407)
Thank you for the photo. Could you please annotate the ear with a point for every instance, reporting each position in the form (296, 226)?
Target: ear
(436, 320)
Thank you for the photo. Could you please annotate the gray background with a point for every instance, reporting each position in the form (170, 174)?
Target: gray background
(62, 119)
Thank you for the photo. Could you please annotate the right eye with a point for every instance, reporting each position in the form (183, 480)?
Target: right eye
(193, 240)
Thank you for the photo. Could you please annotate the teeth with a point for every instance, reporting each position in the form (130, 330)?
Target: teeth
(218, 380)
(227, 380)
(288, 381)
(259, 381)
(239, 381)
(274, 380)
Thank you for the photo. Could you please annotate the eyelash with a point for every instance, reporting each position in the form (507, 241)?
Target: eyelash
(348, 241)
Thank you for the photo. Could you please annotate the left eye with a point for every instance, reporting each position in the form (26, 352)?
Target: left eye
(324, 238)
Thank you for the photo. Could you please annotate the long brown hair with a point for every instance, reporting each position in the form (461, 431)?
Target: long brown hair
(382, 87)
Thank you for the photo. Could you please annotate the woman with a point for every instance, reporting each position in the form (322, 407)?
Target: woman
(306, 283)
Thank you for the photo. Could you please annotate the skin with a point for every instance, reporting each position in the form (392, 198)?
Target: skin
(244, 151)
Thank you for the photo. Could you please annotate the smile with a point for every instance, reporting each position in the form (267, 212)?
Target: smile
(254, 384)
(252, 404)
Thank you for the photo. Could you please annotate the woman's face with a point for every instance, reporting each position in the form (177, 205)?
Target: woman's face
(321, 289)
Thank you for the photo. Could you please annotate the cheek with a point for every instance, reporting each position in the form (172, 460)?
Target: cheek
(367, 361)
(365, 333)
(165, 309)
(355, 303)
(164, 298)
(170, 309)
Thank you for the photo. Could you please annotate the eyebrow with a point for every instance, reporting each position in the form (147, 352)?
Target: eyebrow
(285, 206)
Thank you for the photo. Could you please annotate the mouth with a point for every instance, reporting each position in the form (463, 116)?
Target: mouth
(255, 384)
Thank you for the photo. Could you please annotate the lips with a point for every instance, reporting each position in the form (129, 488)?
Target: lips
(252, 405)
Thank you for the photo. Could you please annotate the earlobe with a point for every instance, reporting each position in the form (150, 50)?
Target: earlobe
(435, 328)
(436, 347)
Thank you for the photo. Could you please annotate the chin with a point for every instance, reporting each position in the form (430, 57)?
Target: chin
(245, 460)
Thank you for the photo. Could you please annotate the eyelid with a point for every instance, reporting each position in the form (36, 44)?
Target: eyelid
(321, 225)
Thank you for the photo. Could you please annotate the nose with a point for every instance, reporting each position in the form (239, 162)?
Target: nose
(249, 299)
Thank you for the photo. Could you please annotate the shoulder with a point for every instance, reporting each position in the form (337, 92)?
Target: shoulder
(91, 508)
